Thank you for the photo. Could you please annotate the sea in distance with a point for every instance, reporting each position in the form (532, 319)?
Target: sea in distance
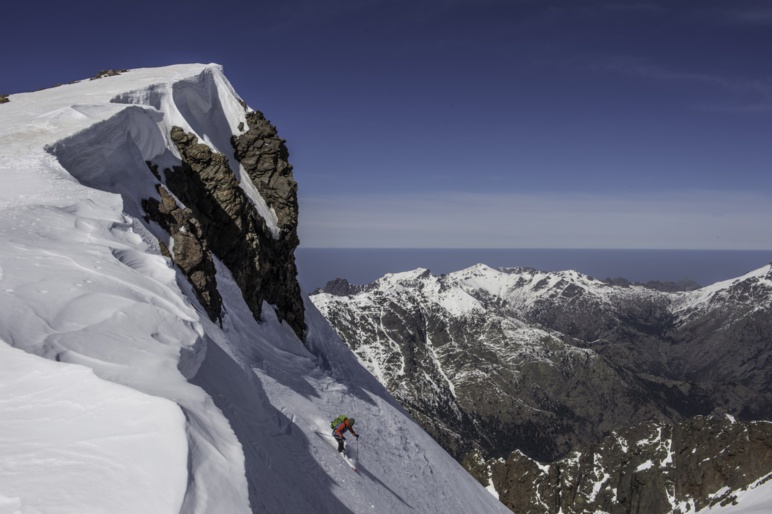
(317, 266)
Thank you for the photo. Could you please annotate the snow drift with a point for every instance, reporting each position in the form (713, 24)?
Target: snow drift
(117, 392)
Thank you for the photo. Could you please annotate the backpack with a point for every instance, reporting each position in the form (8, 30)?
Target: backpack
(337, 421)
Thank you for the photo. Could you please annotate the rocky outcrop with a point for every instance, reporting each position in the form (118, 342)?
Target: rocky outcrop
(264, 157)
(107, 73)
(340, 287)
(4, 99)
(189, 249)
(262, 264)
(653, 468)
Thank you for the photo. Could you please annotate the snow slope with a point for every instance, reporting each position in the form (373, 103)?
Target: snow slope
(117, 394)
(756, 499)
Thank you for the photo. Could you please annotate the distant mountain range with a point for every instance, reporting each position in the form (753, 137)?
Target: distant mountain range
(496, 361)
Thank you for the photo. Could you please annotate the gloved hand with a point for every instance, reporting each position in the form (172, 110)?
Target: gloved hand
(357, 436)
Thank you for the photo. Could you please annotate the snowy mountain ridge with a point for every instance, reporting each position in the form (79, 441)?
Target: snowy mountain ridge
(522, 290)
(755, 285)
(519, 287)
(144, 365)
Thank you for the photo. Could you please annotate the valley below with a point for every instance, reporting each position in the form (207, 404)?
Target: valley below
(563, 393)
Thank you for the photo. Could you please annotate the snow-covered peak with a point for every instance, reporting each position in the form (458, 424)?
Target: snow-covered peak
(479, 276)
(502, 281)
(754, 288)
(394, 279)
(51, 114)
(460, 291)
(112, 373)
(107, 129)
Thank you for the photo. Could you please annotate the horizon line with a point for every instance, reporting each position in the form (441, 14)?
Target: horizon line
(301, 247)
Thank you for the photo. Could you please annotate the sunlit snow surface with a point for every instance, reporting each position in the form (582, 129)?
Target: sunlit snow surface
(62, 427)
(117, 394)
(756, 499)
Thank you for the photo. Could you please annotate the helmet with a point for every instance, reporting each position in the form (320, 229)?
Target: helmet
(352, 420)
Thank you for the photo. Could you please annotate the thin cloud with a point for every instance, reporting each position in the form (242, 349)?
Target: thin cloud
(745, 95)
(752, 17)
(634, 7)
(654, 72)
(689, 220)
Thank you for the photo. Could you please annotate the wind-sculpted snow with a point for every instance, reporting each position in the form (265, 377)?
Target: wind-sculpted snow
(63, 426)
(118, 393)
(207, 106)
(81, 286)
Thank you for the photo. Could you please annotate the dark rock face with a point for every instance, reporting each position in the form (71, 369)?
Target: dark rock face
(264, 156)
(190, 250)
(107, 73)
(4, 99)
(340, 287)
(728, 339)
(652, 468)
(262, 265)
(738, 453)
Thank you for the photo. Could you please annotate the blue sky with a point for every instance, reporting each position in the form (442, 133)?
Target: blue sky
(470, 123)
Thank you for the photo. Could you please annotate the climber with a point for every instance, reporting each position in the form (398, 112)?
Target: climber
(339, 426)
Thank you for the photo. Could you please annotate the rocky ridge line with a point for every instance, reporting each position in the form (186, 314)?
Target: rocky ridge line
(652, 468)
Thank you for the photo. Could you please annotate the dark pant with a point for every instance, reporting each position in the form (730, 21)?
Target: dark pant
(339, 439)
